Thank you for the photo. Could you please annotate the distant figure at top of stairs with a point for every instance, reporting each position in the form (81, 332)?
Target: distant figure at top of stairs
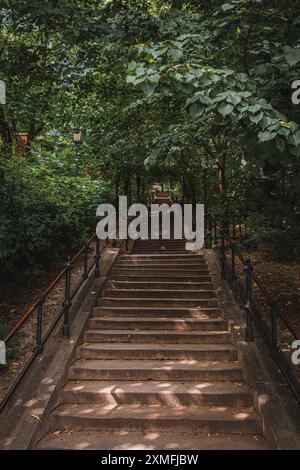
(161, 197)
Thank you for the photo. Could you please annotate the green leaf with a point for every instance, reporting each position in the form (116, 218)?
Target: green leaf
(254, 108)
(175, 53)
(297, 138)
(148, 89)
(227, 7)
(234, 98)
(130, 79)
(196, 110)
(132, 66)
(225, 109)
(205, 100)
(280, 144)
(266, 136)
(292, 56)
(154, 78)
(194, 98)
(255, 118)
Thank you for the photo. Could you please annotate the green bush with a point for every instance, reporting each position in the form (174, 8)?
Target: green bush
(44, 214)
(280, 231)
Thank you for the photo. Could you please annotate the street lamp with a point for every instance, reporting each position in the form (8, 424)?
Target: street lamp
(22, 141)
(2, 93)
(78, 138)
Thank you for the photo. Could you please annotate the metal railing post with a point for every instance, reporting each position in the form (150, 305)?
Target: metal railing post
(97, 258)
(85, 274)
(240, 225)
(209, 231)
(274, 328)
(248, 305)
(222, 250)
(39, 348)
(233, 262)
(233, 227)
(67, 302)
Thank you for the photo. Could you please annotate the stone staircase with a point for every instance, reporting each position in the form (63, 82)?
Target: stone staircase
(157, 368)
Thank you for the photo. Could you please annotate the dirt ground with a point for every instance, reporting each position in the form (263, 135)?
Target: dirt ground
(282, 280)
(14, 302)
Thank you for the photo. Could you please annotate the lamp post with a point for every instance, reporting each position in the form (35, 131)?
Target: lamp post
(78, 138)
(22, 141)
(2, 93)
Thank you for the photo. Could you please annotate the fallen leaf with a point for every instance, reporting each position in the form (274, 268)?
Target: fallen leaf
(36, 417)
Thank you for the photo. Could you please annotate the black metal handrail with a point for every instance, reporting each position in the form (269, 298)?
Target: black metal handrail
(64, 312)
(267, 326)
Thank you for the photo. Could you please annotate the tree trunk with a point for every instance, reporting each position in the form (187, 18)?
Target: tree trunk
(138, 188)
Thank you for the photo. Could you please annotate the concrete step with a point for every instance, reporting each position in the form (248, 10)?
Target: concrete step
(160, 246)
(158, 352)
(157, 302)
(118, 440)
(163, 257)
(157, 285)
(158, 393)
(162, 262)
(160, 293)
(113, 311)
(150, 323)
(146, 336)
(153, 251)
(158, 272)
(201, 268)
(165, 241)
(200, 419)
(172, 277)
(184, 370)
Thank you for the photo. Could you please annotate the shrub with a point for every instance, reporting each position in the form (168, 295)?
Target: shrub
(43, 214)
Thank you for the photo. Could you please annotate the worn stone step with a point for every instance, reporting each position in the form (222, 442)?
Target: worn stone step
(158, 393)
(186, 370)
(95, 440)
(184, 266)
(200, 419)
(159, 245)
(160, 241)
(160, 249)
(154, 351)
(153, 251)
(162, 256)
(150, 323)
(157, 302)
(172, 277)
(162, 262)
(114, 311)
(125, 284)
(160, 269)
(160, 293)
(146, 336)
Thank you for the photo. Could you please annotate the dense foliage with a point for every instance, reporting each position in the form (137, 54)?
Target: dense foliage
(193, 94)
